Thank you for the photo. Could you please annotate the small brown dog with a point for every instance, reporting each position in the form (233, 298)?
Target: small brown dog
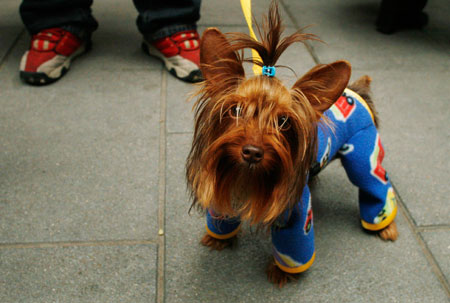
(257, 143)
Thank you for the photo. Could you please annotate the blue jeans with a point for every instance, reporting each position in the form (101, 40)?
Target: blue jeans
(156, 19)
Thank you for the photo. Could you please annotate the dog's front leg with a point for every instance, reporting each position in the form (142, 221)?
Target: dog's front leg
(217, 244)
(220, 231)
(293, 242)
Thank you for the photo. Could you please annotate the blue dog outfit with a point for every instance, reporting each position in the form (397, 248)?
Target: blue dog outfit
(354, 139)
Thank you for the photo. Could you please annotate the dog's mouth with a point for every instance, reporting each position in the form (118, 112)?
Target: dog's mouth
(245, 180)
(255, 185)
(251, 167)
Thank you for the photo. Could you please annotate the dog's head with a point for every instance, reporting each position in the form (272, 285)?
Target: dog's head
(255, 139)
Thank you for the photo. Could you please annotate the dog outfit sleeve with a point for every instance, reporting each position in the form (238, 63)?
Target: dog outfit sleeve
(293, 237)
(362, 162)
(220, 227)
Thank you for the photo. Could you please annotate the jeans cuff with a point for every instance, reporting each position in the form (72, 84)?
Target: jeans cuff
(169, 31)
(80, 32)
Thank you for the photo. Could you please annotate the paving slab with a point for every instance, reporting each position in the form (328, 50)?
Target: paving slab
(216, 13)
(78, 274)
(117, 42)
(78, 156)
(349, 32)
(351, 265)
(415, 129)
(438, 26)
(10, 26)
(438, 241)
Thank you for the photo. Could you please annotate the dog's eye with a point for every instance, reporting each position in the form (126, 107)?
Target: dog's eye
(235, 111)
(284, 123)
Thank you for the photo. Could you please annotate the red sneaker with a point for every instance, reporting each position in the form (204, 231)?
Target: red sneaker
(180, 53)
(49, 56)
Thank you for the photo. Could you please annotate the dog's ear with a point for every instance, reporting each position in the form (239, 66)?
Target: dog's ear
(218, 61)
(324, 84)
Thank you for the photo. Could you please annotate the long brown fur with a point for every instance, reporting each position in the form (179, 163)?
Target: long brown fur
(213, 163)
(233, 111)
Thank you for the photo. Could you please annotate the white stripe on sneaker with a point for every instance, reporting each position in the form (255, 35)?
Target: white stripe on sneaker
(54, 67)
(23, 61)
(182, 66)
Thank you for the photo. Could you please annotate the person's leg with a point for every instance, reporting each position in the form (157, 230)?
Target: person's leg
(60, 30)
(170, 33)
(72, 15)
(159, 19)
(398, 14)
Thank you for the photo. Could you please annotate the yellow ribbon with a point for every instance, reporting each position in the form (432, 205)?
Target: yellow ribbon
(247, 10)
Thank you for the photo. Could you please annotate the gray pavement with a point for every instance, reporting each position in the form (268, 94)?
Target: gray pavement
(93, 204)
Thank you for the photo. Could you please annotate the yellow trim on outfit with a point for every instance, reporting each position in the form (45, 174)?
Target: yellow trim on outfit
(222, 237)
(383, 224)
(361, 100)
(297, 270)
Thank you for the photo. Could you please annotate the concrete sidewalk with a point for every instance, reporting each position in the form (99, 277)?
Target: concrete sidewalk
(93, 206)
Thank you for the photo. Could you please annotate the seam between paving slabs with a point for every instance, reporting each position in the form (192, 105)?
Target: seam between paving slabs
(404, 210)
(162, 189)
(126, 242)
(426, 251)
(8, 52)
(426, 228)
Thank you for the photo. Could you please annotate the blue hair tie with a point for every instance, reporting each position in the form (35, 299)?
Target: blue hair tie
(268, 71)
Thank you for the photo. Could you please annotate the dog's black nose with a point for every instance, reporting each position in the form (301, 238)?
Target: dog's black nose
(252, 154)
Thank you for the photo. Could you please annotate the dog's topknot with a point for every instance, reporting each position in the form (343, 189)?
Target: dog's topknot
(271, 45)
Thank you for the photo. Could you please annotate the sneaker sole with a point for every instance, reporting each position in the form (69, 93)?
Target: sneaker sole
(39, 79)
(193, 77)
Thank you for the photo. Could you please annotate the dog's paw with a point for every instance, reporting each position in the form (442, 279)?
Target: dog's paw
(217, 244)
(279, 277)
(390, 232)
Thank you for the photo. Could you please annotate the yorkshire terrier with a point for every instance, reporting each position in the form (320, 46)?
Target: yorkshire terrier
(257, 144)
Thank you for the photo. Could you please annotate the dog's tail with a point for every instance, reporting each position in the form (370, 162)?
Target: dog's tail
(362, 88)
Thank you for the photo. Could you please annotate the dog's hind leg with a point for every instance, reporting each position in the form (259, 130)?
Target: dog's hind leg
(389, 233)
(279, 277)
(361, 158)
